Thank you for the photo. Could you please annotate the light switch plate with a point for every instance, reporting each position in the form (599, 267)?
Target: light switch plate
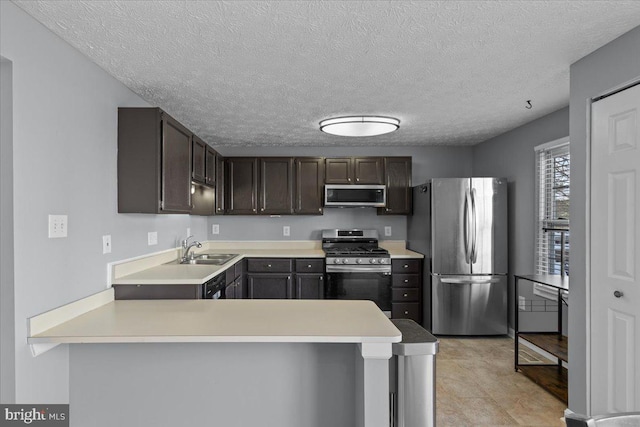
(57, 226)
(215, 228)
(286, 230)
(152, 238)
(387, 230)
(106, 244)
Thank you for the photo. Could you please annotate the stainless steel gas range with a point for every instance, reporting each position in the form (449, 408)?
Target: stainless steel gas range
(357, 268)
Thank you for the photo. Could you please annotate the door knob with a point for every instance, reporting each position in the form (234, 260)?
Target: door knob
(618, 294)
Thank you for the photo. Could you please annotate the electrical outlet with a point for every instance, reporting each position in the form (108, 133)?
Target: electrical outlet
(152, 238)
(387, 230)
(522, 303)
(57, 226)
(215, 228)
(188, 231)
(286, 230)
(106, 244)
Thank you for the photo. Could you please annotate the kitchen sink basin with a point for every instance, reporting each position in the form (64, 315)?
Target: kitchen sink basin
(210, 259)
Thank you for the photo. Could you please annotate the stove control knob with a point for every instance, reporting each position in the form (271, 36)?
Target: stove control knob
(335, 261)
(372, 261)
(358, 261)
(344, 261)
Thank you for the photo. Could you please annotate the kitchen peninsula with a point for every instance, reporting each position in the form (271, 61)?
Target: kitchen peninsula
(226, 362)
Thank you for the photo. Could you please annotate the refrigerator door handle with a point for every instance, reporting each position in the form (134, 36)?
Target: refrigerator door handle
(461, 280)
(465, 226)
(474, 227)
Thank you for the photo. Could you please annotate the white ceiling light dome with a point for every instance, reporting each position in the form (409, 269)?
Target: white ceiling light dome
(359, 125)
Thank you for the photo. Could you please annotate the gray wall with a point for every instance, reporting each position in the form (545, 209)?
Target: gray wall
(7, 322)
(215, 384)
(64, 162)
(511, 155)
(428, 162)
(611, 65)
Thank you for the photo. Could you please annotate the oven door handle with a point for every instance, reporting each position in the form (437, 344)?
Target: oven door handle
(385, 269)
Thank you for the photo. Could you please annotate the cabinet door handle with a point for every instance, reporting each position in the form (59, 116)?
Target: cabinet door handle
(309, 265)
(268, 265)
(618, 294)
(358, 179)
(406, 280)
(406, 312)
(406, 266)
(405, 295)
(349, 179)
(261, 209)
(321, 278)
(319, 209)
(254, 209)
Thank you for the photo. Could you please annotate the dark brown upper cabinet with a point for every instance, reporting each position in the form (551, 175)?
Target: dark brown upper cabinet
(220, 185)
(242, 186)
(276, 185)
(355, 170)
(203, 199)
(154, 162)
(339, 171)
(210, 166)
(203, 165)
(199, 150)
(369, 170)
(309, 180)
(398, 181)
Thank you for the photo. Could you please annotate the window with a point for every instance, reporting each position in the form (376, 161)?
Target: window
(553, 198)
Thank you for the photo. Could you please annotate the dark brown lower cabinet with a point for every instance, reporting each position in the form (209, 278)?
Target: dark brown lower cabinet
(269, 286)
(406, 289)
(309, 286)
(406, 310)
(235, 281)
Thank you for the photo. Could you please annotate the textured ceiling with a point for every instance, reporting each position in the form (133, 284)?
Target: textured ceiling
(266, 72)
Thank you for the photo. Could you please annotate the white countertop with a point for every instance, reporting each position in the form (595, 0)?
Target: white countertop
(189, 274)
(141, 321)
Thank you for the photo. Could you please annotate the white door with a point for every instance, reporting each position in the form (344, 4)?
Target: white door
(615, 253)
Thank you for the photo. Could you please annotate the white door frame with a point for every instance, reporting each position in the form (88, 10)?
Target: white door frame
(590, 101)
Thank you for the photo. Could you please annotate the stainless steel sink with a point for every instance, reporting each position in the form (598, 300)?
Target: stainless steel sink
(210, 259)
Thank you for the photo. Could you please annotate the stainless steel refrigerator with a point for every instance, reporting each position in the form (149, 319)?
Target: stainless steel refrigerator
(463, 221)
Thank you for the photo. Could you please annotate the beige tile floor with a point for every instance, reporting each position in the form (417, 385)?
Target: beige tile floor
(476, 385)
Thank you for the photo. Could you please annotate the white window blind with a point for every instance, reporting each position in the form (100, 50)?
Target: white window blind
(553, 199)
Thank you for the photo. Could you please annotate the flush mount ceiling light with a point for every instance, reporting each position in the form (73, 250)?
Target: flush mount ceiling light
(359, 125)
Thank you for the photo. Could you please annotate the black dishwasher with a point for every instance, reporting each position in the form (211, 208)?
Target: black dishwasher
(214, 288)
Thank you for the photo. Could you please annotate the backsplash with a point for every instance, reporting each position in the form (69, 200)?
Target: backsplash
(247, 227)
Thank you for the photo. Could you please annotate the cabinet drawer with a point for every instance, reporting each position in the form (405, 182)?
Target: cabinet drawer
(406, 295)
(310, 265)
(406, 265)
(269, 265)
(405, 310)
(406, 280)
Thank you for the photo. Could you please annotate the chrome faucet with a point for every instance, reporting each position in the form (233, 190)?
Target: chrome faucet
(186, 247)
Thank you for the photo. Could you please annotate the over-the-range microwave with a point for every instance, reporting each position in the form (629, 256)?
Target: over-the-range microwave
(355, 196)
